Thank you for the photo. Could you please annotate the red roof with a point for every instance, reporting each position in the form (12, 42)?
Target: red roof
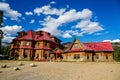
(44, 36)
(86, 48)
(100, 46)
(30, 35)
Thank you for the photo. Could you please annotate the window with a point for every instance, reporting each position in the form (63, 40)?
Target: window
(45, 56)
(21, 43)
(37, 56)
(106, 56)
(38, 43)
(97, 56)
(27, 43)
(87, 56)
(75, 45)
(76, 56)
(25, 55)
(46, 43)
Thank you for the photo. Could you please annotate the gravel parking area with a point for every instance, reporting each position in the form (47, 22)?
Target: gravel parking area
(60, 71)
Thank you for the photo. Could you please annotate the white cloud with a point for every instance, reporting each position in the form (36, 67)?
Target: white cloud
(88, 26)
(32, 21)
(8, 12)
(68, 16)
(69, 33)
(28, 13)
(86, 14)
(10, 32)
(12, 29)
(52, 2)
(73, 15)
(48, 10)
(52, 24)
(66, 35)
(7, 39)
(112, 41)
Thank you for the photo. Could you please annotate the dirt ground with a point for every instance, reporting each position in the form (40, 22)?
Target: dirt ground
(60, 71)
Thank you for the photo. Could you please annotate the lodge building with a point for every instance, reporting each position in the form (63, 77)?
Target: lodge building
(42, 46)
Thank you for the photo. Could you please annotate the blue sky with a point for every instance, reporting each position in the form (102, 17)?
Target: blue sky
(89, 20)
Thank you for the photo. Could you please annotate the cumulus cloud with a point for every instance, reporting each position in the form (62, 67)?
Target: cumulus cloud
(68, 16)
(48, 10)
(7, 38)
(69, 33)
(86, 14)
(112, 41)
(88, 26)
(66, 35)
(50, 25)
(10, 32)
(28, 13)
(11, 29)
(32, 21)
(8, 12)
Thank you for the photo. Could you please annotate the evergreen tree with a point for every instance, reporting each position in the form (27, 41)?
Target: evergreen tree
(5, 50)
(116, 54)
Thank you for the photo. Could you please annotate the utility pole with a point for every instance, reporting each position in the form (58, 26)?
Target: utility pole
(1, 32)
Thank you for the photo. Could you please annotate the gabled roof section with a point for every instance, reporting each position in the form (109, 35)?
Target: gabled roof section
(30, 35)
(43, 36)
(78, 46)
